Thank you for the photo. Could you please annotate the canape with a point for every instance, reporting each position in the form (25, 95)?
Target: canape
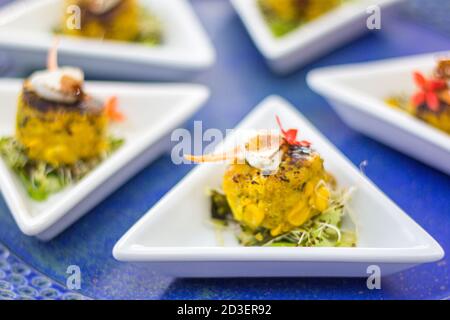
(276, 192)
(122, 20)
(431, 102)
(61, 130)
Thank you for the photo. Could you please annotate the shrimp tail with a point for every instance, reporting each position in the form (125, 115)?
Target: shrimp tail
(218, 157)
(52, 57)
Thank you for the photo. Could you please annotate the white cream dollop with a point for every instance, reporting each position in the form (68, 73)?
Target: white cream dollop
(102, 6)
(267, 160)
(263, 152)
(49, 84)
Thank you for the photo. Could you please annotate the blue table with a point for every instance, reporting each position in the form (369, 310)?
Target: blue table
(238, 81)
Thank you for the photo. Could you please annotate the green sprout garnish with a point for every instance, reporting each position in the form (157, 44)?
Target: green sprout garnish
(42, 179)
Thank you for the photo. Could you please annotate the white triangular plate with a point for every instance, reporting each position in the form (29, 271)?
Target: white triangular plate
(26, 33)
(358, 92)
(152, 112)
(311, 40)
(175, 237)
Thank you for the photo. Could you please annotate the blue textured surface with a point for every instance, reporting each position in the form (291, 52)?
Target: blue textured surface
(434, 12)
(238, 81)
(20, 282)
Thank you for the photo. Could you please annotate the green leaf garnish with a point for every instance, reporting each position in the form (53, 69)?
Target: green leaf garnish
(151, 32)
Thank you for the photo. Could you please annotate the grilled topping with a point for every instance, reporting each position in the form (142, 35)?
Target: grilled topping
(63, 85)
(264, 153)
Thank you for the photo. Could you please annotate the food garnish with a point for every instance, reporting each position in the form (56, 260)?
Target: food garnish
(429, 90)
(112, 110)
(291, 136)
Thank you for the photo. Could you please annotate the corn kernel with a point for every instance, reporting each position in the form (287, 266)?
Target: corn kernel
(253, 216)
(321, 199)
(297, 218)
(276, 231)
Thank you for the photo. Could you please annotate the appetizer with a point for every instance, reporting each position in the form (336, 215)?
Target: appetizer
(276, 192)
(431, 102)
(283, 16)
(61, 131)
(122, 20)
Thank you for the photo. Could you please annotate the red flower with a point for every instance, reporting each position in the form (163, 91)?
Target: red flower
(427, 94)
(291, 136)
(112, 110)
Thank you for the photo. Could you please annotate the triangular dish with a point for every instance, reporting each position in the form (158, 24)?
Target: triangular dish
(174, 237)
(358, 93)
(152, 111)
(27, 36)
(311, 40)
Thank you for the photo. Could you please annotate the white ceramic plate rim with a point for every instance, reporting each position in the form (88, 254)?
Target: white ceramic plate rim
(326, 81)
(115, 50)
(126, 250)
(31, 225)
(274, 48)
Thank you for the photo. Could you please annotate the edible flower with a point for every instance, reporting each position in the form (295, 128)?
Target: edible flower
(428, 93)
(112, 110)
(291, 136)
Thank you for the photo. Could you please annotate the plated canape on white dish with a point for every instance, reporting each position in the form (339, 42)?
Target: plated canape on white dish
(359, 94)
(186, 49)
(68, 144)
(312, 39)
(175, 237)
